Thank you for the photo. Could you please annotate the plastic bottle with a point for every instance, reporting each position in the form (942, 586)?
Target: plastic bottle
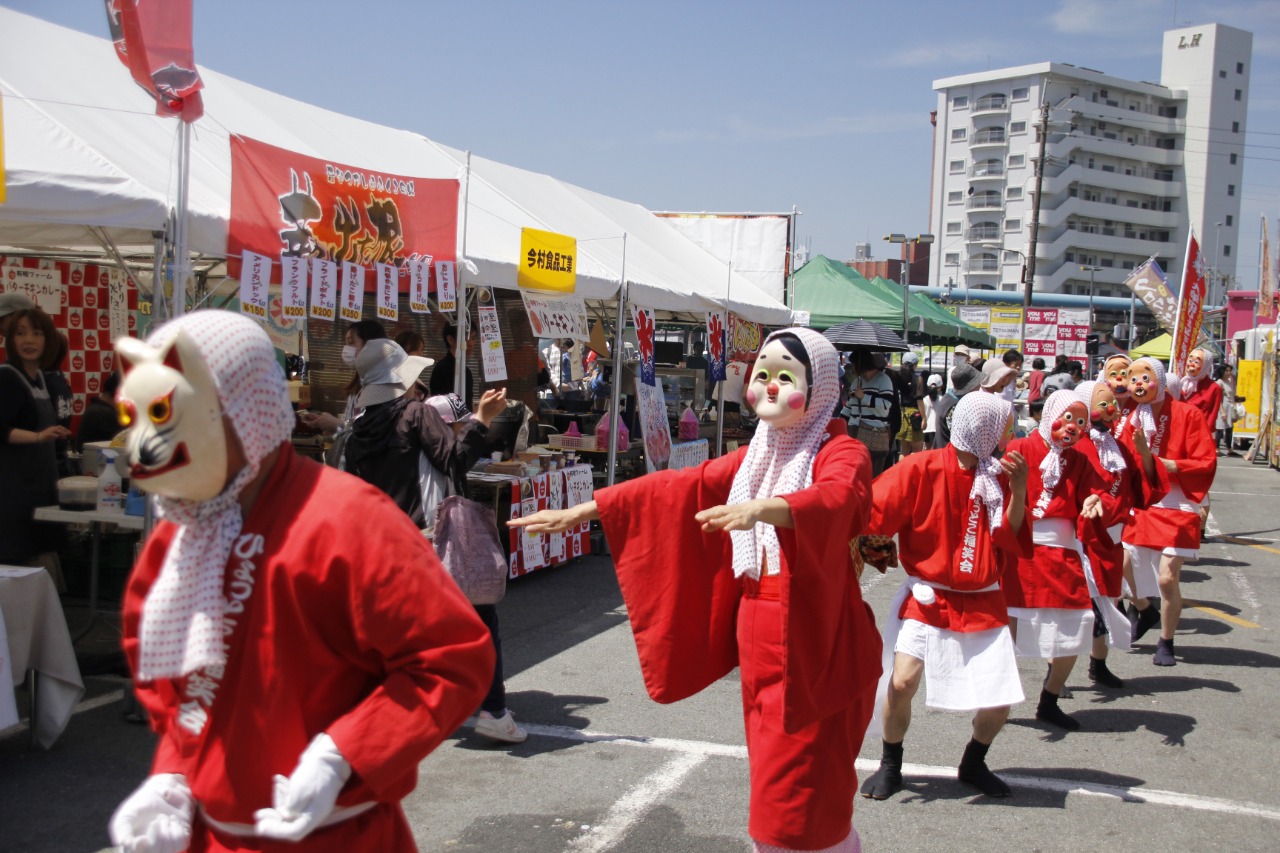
(110, 493)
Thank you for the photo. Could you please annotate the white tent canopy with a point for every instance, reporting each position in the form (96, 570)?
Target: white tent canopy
(83, 147)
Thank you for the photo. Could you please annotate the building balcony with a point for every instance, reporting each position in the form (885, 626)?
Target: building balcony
(984, 201)
(982, 234)
(1118, 148)
(991, 136)
(992, 170)
(983, 265)
(990, 104)
(1122, 116)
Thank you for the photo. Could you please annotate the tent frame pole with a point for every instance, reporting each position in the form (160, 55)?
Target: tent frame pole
(615, 399)
(463, 315)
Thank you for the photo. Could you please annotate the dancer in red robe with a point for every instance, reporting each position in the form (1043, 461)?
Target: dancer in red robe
(1048, 595)
(778, 596)
(1133, 479)
(297, 665)
(1197, 388)
(958, 515)
(1159, 538)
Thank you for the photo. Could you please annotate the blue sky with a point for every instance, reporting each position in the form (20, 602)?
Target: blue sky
(752, 106)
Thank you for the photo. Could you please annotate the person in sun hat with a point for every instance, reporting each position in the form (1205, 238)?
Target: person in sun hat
(965, 379)
(778, 596)
(296, 642)
(958, 514)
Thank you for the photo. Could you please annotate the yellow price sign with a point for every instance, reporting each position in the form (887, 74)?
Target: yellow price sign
(548, 261)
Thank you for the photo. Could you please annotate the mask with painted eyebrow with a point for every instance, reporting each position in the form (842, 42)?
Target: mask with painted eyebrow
(778, 390)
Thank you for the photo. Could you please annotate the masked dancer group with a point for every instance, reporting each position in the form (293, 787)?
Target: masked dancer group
(297, 668)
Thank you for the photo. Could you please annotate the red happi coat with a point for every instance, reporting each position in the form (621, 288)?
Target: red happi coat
(1181, 436)
(924, 500)
(348, 627)
(682, 597)
(1207, 400)
(1052, 577)
(1128, 490)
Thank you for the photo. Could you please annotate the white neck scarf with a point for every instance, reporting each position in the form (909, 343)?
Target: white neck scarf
(1054, 408)
(780, 461)
(1143, 418)
(1108, 450)
(977, 427)
(181, 628)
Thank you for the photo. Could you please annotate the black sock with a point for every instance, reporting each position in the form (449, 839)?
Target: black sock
(974, 771)
(886, 781)
(1049, 712)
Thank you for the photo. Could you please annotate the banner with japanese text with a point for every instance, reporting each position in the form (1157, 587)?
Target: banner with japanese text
(1006, 328)
(715, 345)
(645, 328)
(556, 316)
(1041, 330)
(1266, 282)
(548, 261)
(1148, 283)
(285, 204)
(419, 276)
(978, 316)
(446, 286)
(1073, 330)
(1190, 308)
(255, 279)
(388, 292)
(324, 289)
(353, 284)
(293, 287)
(492, 358)
(651, 409)
(745, 339)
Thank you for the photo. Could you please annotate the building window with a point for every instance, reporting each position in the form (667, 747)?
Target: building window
(954, 227)
(955, 196)
(1013, 225)
(1239, 67)
(1235, 127)
(1223, 74)
(1226, 251)
(1071, 257)
(1233, 159)
(1230, 220)
(1231, 189)
(960, 102)
(957, 166)
(958, 134)
(1011, 257)
(1021, 93)
(1017, 127)
(951, 259)
(1017, 161)
(1013, 193)
(1238, 94)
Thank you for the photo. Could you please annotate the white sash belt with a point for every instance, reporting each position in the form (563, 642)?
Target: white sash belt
(1177, 499)
(1055, 533)
(1115, 531)
(248, 830)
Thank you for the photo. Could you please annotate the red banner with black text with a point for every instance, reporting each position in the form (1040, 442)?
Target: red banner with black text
(153, 40)
(1190, 308)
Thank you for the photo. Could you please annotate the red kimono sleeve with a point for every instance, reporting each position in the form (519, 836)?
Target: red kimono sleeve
(892, 503)
(1198, 460)
(681, 597)
(1019, 544)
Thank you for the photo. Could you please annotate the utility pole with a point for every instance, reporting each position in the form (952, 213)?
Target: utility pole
(1035, 207)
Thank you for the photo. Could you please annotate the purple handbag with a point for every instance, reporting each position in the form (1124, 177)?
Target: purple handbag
(466, 540)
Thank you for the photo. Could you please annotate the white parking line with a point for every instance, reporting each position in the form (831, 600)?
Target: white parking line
(1246, 591)
(1211, 527)
(702, 750)
(636, 803)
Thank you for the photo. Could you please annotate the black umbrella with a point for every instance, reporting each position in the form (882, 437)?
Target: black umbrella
(865, 335)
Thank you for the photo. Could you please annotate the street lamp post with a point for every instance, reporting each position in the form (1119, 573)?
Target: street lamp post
(1090, 270)
(906, 267)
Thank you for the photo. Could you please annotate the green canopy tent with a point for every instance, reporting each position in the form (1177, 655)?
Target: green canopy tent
(832, 294)
(925, 313)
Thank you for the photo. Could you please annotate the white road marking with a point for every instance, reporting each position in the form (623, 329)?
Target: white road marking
(636, 803)
(1211, 527)
(1243, 494)
(701, 750)
(1245, 590)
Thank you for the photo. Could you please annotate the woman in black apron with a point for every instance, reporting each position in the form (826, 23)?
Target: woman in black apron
(28, 436)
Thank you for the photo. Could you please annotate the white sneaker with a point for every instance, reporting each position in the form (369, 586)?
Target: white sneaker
(502, 728)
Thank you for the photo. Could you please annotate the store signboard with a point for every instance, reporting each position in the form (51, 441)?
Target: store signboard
(1006, 328)
(556, 315)
(492, 357)
(324, 289)
(293, 286)
(43, 287)
(1041, 329)
(388, 292)
(1073, 329)
(548, 261)
(255, 278)
(419, 278)
(353, 279)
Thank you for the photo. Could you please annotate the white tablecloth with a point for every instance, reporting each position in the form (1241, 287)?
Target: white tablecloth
(36, 631)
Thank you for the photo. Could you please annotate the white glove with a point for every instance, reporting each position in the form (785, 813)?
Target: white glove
(301, 802)
(156, 818)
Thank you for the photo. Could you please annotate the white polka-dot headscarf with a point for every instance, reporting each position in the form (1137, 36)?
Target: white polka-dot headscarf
(979, 423)
(1108, 450)
(780, 461)
(1143, 417)
(1184, 386)
(181, 626)
(1054, 407)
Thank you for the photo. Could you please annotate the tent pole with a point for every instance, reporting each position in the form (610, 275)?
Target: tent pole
(615, 400)
(464, 316)
(181, 253)
(728, 287)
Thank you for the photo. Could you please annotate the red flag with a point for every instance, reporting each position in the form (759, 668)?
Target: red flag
(1190, 308)
(153, 40)
(1266, 286)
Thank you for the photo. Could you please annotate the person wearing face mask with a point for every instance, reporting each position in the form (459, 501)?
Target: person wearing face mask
(293, 637)
(1134, 480)
(357, 335)
(1196, 387)
(778, 594)
(1158, 539)
(1048, 595)
(958, 515)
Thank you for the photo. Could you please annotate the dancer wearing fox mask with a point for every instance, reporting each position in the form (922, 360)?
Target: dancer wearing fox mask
(778, 596)
(297, 667)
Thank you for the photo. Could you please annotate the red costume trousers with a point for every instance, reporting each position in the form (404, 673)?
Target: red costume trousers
(803, 784)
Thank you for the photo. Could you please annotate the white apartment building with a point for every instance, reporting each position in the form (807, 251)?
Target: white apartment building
(1128, 167)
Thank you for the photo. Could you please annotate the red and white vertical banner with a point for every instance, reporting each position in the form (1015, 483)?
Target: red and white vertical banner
(388, 292)
(1073, 333)
(324, 289)
(1041, 329)
(492, 356)
(255, 277)
(352, 306)
(1267, 283)
(1190, 308)
(419, 279)
(446, 286)
(717, 330)
(293, 287)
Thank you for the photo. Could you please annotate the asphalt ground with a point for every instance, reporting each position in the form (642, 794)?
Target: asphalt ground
(1182, 757)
